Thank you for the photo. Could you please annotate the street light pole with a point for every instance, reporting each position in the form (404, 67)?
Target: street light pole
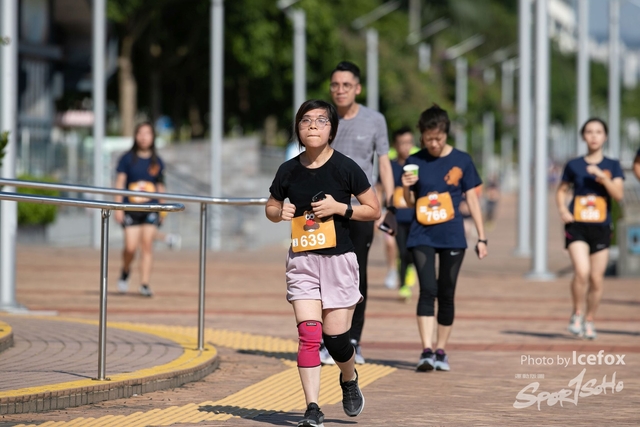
(8, 122)
(372, 70)
(614, 78)
(299, 21)
(99, 102)
(217, 105)
(524, 131)
(424, 49)
(540, 271)
(506, 139)
(299, 55)
(456, 53)
(462, 70)
(583, 71)
(373, 94)
(415, 14)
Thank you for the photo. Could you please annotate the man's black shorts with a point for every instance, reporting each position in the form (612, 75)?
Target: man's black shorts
(139, 218)
(598, 237)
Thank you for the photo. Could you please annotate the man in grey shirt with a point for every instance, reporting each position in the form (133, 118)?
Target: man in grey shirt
(362, 134)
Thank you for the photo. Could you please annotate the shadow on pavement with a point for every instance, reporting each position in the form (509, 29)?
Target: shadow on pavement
(614, 332)
(265, 416)
(619, 302)
(274, 354)
(547, 335)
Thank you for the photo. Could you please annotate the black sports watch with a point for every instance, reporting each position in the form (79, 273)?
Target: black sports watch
(349, 212)
(485, 241)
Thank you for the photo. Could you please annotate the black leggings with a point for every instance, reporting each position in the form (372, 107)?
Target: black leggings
(443, 287)
(405, 255)
(361, 234)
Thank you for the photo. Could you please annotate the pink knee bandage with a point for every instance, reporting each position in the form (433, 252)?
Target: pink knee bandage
(310, 335)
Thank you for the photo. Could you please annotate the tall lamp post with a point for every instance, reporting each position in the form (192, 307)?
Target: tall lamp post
(373, 93)
(462, 69)
(539, 271)
(525, 127)
(486, 64)
(99, 101)
(8, 122)
(506, 139)
(424, 49)
(298, 19)
(583, 70)
(217, 105)
(614, 78)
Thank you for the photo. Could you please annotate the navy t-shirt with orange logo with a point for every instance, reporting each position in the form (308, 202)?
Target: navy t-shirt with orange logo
(454, 174)
(587, 192)
(141, 176)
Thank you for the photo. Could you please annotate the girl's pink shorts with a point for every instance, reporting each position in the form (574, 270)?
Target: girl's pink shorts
(333, 279)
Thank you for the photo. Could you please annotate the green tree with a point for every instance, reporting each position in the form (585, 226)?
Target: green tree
(131, 18)
(4, 141)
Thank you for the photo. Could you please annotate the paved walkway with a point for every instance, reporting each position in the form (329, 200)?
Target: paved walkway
(509, 343)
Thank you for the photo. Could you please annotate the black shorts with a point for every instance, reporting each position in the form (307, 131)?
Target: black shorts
(139, 218)
(598, 237)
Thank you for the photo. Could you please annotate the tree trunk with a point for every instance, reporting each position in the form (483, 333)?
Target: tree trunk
(156, 94)
(128, 88)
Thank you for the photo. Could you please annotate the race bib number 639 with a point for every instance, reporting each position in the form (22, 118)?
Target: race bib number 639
(308, 234)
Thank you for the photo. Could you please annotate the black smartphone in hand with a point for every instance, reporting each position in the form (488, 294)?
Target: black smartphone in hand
(318, 197)
(385, 227)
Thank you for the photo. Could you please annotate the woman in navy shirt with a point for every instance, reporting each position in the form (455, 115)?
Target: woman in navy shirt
(444, 175)
(595, 179)
(139, 169)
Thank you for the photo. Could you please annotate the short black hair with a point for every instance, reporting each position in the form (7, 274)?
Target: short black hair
(400, 131)
(347, 66)
(597, 120)
(315, 104)
(434, 117)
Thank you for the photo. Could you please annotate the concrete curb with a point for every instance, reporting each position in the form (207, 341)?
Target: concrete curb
(194, 366)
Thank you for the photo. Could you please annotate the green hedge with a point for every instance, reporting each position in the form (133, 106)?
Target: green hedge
(36, 213)
(4, 140)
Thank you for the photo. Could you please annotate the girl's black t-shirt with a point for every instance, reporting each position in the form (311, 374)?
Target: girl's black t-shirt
(339, 176)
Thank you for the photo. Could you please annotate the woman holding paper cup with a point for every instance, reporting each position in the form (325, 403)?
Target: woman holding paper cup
(321, 268)
(434, 182)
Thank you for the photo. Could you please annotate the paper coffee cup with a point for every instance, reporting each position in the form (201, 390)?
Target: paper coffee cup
(411, 169)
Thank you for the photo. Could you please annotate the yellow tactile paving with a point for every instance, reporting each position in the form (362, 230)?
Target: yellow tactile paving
(279, 393)
(5, 330)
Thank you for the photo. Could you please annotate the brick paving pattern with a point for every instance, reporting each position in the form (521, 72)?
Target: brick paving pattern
(51, 352)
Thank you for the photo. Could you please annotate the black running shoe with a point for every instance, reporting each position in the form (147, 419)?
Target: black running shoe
(427, 361)
(442, 361)
(312, 417)
(352, 398)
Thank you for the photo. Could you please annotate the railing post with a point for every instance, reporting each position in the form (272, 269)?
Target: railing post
(203, 259)
(104, 260)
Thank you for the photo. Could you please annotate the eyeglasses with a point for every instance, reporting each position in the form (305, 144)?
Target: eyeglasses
(320, 122)
(334, 87)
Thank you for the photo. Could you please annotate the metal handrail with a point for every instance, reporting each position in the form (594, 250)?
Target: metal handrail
(106, 207)
(203, 200)
(120, 192)
(79, 203)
